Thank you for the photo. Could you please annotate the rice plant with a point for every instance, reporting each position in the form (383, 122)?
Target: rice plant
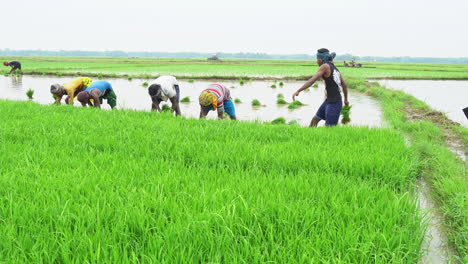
(315, 85)
(280, 96)
(295, 104)
(191, 81)
(281, 101)
(30, 93)
(100, 76)
(345, 113)
(166, 108)
(281, 84)
(129, 78)
(186, 99)
(241, 82)
(273, 86)
(145, 84)
(256, 102)
(237, 101)
(279, 121)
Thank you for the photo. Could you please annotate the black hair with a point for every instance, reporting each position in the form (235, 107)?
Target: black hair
(323, 50)
(153, 89)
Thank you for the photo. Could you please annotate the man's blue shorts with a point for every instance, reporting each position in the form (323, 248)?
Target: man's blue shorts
(330, 112)
(228, 108)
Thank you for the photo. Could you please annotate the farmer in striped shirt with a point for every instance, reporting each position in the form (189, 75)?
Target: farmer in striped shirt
(217, 97)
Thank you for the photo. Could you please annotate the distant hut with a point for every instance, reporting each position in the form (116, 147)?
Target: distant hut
(214, 58)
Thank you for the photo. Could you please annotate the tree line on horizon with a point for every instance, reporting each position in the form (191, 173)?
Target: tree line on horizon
(222, 55)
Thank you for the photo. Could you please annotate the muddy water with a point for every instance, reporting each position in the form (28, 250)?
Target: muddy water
(449, 97)
(132, 95)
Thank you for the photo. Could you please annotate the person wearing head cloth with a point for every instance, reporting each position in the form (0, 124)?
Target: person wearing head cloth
(217, 97)
(334, 83)
(98, 91)
(70, 89)
(164, 88)
(15, 65)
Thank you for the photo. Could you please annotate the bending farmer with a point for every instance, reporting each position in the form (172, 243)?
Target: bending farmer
(71, 89)
(165, 87)
(15, 65)
(217, 97)
(331, 107)
(98, 91)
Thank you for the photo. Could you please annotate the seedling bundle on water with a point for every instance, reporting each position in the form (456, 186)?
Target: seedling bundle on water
(186, 99)
(145, 84)
(256, 102)
(237, 101)
(30, 94)
(296, 104)
(166, 108)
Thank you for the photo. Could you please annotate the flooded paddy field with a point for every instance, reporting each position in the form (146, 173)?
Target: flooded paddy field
(133, 95)
(449, 97)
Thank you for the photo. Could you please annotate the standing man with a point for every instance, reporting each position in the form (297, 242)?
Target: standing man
(15, 65)
(334, 83)
(98, 91)
(71, 89)
(165, 87)
(217, 97)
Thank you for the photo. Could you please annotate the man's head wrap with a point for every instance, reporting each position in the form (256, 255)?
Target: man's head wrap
(87, 81)
(325, 55)
(207, 98)
(5, 63)
(56, 88)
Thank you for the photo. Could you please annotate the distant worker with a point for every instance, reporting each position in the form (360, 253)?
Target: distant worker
(70, 89)
(98, 91)
(331, 108)
(165, 87)
(345, 64)
(15, 65)
(217, 97)
(465, 110)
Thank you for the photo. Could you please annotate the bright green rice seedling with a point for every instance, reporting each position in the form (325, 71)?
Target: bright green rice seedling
(166, 108)
(191, 81)
(59, 75)
(44, 74)
(281, 84)
(130, 78)
(295, 104)
(315, 85)
(273, 86)
(237, 101)
(256, 102)
(186, 99)
(30, 93)
(145, 84)
(280, 95)
(232, 87)
(241, 82)
(281, 101)
(6, 75)
(279, 121)
(293, 123)
(345, 112)
(99, 76)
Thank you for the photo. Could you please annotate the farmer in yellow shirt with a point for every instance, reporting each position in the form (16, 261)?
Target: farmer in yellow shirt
(71, 89)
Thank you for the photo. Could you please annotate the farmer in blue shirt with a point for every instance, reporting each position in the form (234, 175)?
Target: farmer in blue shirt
(98, 91)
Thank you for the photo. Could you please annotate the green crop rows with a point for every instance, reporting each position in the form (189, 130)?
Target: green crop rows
(82, 185)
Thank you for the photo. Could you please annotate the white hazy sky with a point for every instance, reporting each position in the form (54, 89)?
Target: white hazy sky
(415, 28)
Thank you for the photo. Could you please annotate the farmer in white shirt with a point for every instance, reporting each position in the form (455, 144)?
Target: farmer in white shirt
(165, 87)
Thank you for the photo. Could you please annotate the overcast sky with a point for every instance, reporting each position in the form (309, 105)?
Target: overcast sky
(418, 28)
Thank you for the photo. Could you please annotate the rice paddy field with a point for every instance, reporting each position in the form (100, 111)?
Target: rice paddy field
(229, 69)
(83, 185)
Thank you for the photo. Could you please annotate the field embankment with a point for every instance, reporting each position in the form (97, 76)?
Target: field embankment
(431, 135)
(228, 69)
(85, 185)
